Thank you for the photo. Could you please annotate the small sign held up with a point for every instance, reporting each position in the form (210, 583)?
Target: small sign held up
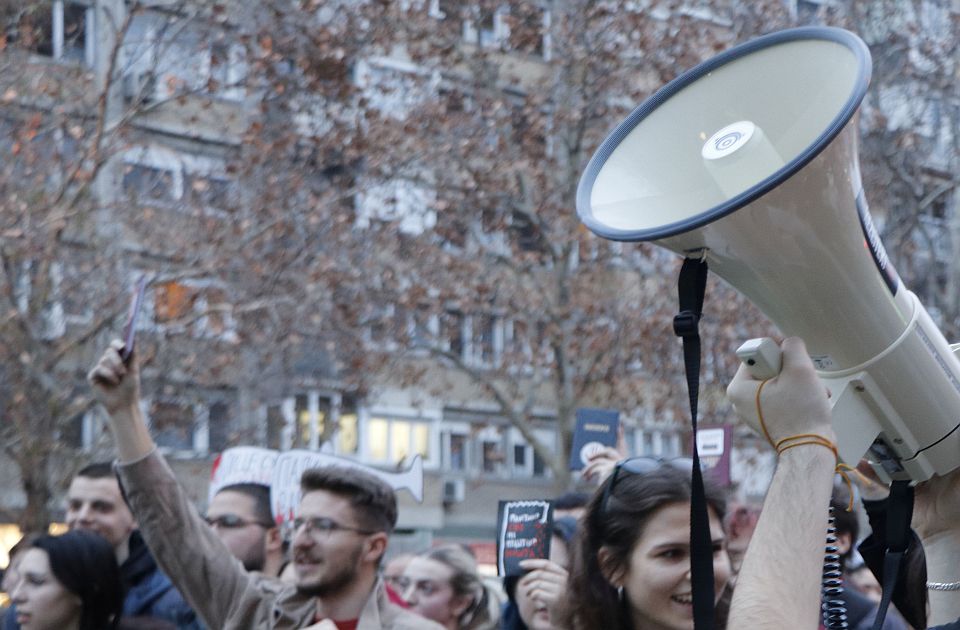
(595, 430)
(523, 533)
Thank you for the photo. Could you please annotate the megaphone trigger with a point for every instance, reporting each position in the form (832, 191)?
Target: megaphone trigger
(761, 357)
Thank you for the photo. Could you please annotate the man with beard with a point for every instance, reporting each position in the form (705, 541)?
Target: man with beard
(240, 514)
(345, 518)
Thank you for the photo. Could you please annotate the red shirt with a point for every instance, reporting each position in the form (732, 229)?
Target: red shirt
(350, 624)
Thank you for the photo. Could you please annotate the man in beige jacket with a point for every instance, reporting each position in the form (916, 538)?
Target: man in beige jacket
(344, 521)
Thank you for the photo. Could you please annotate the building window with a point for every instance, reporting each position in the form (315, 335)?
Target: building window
(228, 71)
(521, 459)
(173, 424)
(408, 205)
(490, 443)
(276, 427)
(71, 432)
(451, 329)
(527, 26)
(63, 31)
(200, 307)
(657, 443)
(312, 419)
(148, 184)
(219, 427)
(209, 192)
(394, 440)
(50, 311)
(457, 452)
(488, 28)
(348, 433)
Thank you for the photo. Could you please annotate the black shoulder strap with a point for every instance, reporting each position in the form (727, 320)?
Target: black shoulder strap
(692, 287)
(899, 514)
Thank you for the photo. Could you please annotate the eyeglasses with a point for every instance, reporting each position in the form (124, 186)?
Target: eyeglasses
(232, 521)
(325, 526)
(641, 466)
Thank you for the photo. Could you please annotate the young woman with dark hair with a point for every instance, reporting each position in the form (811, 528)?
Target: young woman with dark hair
(631, 560)
(69, 582)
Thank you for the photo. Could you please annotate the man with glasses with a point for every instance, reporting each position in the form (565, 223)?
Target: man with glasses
(240, 514)
(345, 518)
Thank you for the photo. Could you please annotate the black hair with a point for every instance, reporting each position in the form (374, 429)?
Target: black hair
(844, 521)
(96, 470)
(571, 500)
(85, 564)
(104, 470)
(261, 499)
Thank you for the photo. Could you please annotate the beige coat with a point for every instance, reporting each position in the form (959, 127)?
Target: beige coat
(215, 583)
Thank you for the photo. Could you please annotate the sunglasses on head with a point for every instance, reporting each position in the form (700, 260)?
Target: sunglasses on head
(641, 465)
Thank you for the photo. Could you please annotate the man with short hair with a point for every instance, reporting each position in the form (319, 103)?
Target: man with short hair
(345, 517)
(240, 514)
(95, 503)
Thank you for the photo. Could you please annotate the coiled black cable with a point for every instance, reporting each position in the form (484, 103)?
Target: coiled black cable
(833, 607)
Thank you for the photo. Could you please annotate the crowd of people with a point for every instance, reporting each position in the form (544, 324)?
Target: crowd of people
(139, 555)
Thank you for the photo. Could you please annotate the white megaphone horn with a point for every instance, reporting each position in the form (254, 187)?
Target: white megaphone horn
(750, 159)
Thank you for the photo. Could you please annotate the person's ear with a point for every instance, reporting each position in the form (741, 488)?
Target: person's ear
(376, 546)
(459, 605)
(610, 567)
(844, 542)
(274, 540)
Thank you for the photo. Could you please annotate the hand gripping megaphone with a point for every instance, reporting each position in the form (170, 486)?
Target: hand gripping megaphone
(750, 160)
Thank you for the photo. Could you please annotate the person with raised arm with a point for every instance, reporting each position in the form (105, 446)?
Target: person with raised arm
(779, 582)
(340, 534)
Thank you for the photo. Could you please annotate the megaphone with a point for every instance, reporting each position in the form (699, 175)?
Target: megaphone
(750, 160)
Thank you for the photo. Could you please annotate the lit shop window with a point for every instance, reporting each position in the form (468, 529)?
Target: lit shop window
(394, 440)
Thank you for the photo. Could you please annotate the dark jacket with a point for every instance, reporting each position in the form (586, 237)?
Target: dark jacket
(910, 593)
(149, 592)
(861, 612)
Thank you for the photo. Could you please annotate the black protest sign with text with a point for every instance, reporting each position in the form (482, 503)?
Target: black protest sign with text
(523, 533)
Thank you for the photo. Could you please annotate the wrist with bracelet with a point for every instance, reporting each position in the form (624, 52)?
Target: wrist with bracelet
(803, 439)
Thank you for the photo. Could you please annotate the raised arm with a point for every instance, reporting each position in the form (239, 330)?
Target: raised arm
(189, 552)
(117, 387)
(779, 582)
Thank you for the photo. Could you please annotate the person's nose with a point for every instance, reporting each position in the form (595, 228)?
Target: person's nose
(409, 594)
(18, 594)
(84, 514)
(302, 538)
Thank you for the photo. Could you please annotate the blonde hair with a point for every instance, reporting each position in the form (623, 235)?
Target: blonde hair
(484, 609)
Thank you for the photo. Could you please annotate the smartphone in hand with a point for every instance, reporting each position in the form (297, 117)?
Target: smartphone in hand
(130, 328)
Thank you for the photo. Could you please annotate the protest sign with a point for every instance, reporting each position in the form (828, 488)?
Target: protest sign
(523, 532)
(595, 429)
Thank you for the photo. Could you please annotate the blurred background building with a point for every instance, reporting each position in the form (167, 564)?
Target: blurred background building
(359, 225)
